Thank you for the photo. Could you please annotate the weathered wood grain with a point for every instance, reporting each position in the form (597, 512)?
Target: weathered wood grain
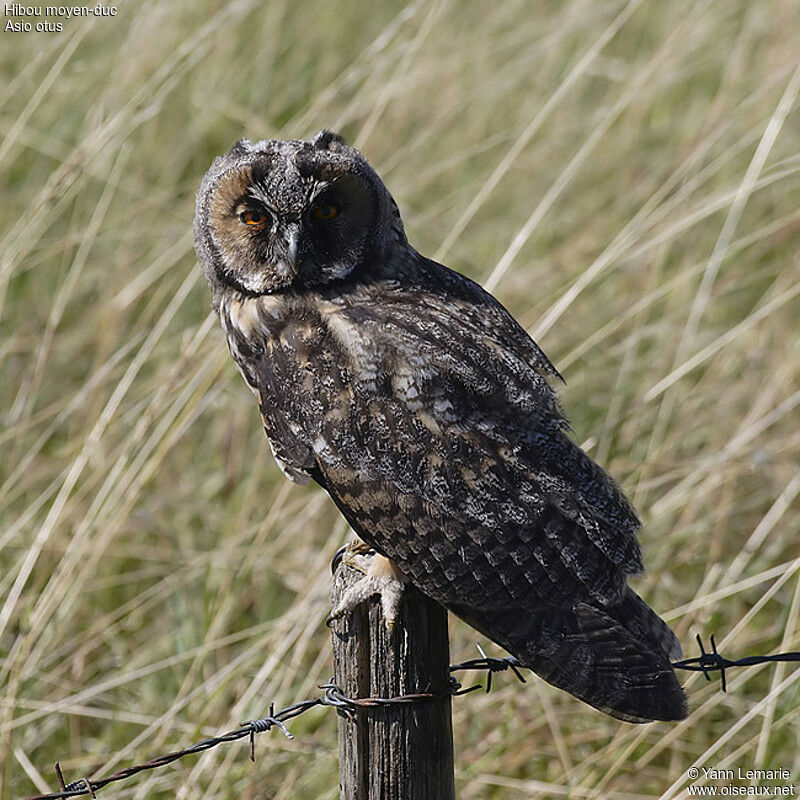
(403, 752)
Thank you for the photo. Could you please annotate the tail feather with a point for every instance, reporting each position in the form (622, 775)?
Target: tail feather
(590, 654)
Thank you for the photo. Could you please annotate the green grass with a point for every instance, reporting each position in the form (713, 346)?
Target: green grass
(629, 186)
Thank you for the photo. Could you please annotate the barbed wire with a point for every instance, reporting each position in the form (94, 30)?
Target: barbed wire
(713, 661)
(332, 696)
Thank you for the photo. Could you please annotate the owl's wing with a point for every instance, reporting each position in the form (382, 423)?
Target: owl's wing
(517, 539)
(437, 396)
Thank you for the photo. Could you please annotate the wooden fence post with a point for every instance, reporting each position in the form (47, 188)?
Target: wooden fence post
(399, 752)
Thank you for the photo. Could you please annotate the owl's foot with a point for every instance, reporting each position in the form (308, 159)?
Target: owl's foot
(381, 577)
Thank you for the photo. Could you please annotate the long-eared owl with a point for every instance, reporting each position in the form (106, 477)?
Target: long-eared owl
(427, 413)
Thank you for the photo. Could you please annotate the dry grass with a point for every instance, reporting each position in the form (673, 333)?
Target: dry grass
(626, 177)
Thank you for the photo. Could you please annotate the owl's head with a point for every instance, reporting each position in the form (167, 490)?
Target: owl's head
(272, 215)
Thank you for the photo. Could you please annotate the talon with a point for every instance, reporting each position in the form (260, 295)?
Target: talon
(337, 558)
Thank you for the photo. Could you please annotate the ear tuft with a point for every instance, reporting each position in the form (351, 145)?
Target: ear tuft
(241, 147)
(324, 139)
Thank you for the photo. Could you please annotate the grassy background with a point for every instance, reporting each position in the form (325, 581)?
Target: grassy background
(625, 177)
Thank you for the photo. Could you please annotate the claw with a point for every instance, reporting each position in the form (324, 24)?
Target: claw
(337, 558)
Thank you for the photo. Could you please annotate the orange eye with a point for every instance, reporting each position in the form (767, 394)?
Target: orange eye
(254, 217)
(326, 211)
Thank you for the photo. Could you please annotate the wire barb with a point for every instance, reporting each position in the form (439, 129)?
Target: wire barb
(262, 726)
(60, 776)
(490, 665)
(334, 697)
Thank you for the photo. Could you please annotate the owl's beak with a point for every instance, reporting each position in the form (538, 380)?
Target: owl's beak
(290, 238)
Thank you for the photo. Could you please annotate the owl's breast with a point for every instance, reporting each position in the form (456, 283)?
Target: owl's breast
(278, 343)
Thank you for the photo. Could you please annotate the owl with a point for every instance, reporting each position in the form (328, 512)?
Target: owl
(428, 414)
